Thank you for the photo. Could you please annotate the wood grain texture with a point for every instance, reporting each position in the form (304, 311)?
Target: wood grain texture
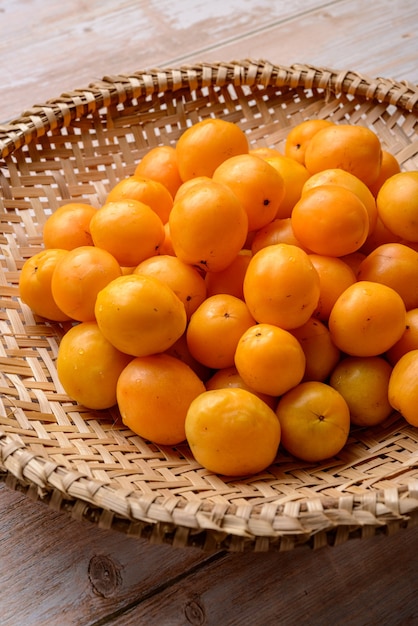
(57, 571)
(47, 47)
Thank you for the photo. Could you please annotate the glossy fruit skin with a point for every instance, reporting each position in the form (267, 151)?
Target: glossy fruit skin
(395, 265)
(232, 432)
(35, 284)
(270, 359)
(140, 315)
(349, 147)
(154, 393)
(208, 226)
(69, 226)
(314, 420)
(150, 192)
(397, 205)
(215, 328)
(258, 185)
(403, 387)
(160, 164)
(229, 377)
(281, 286)
(205, 145)
(129, 230)
(89, 366)
(330, 220)
(321, 354)
(363, 382)
(299, 137)
(367, 319)
(185, 280)
(409, 339)
(78, 278)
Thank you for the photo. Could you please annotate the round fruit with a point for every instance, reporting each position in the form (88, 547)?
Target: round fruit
(206, 144)
(403, 387)
(315, 421)
(397, 205)
(367, 319)
(270, 359)
(35, 284)
(330, 220)
(78, 278)
(89, 366)
(154, 393)
(208, 226)
(232, 432)
(281, 286)
(140, 315)
(363, 382)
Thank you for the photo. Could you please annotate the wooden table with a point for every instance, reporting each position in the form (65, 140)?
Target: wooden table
(55, 570)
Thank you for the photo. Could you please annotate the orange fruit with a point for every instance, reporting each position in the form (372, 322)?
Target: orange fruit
(78, 278)
(281, 286)
(397, 205)
(314, 420)
(89, 366)
(140, 315)
(294, 175)
(180, 350)
(160, 164)
(321, 353)
(279, 230)
(353, 260)
(334, 277)
(215, 328)
(69, 226)
(409, 339)
(388, 167)
(154, 394)
(367, 319)
(231, 279)
(186, 282)
(378, 236)
(299, 137)
(166, 247)
(265, 152)
(269, 359)
(257, 184)
(395, 265)
(337, 176)
(35, 284)
(330, 220)
(229, 377)
(232, 432)
(206, 144)
(208, 226)
(146, 190)
(129, 230)
(403, 388)
(349, 147)
(363, 382)
(188, 184)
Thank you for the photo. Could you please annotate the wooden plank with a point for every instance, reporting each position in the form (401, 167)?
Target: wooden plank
(137, 35)
(359, 583)
(44, 44)
(60, 571)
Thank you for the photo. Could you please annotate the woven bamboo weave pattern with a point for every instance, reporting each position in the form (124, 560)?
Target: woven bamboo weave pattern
(87, 463)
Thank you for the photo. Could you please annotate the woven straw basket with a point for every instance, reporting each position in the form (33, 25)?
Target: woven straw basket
(87, 463)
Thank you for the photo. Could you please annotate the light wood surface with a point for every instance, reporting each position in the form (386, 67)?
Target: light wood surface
(55, 570)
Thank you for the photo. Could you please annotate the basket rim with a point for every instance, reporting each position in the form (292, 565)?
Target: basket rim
(115, 89)
(188, 523)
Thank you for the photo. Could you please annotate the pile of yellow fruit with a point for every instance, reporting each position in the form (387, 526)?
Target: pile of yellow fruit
(241, 298)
